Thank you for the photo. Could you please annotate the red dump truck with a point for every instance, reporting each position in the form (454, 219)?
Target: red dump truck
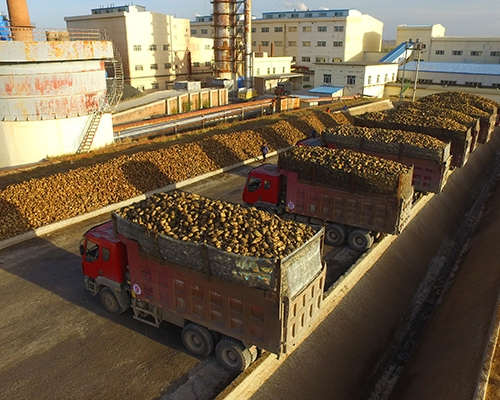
(186, 284)
(348, 214)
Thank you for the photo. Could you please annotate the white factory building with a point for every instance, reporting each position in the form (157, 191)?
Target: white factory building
(156, 49)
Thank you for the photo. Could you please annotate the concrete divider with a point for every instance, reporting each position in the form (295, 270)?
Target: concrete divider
(362, 312)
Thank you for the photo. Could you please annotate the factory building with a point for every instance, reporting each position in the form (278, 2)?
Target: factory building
(450, 49)
(156, 49)
(54, 98)
(310, 37)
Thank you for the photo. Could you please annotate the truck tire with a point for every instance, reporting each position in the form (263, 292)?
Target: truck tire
(197, 339)
(334, 235)
(360, 240)
(233, 355)
(109, 301)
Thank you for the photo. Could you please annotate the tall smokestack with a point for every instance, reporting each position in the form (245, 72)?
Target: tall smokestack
(19, 18)
(248, 44)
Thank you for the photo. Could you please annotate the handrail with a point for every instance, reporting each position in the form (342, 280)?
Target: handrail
(13, 33)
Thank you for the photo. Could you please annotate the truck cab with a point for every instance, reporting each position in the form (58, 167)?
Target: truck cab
(105, 266)
(264, 186)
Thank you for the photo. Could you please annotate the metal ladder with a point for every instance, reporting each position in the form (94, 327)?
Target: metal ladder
(113, 97)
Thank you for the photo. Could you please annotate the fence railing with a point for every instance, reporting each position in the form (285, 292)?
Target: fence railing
(50, 34)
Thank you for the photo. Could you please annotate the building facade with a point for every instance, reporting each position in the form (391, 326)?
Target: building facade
(156, 49)
(365, 79)
(450, 49)
(310, 37)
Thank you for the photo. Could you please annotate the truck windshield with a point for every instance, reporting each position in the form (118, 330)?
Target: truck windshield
(92, 252)
(254, 184)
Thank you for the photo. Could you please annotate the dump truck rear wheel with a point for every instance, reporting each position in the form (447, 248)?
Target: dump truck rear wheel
(197, 339)
(360, 240)
(109, 301)
(334, 235)
(233, 355)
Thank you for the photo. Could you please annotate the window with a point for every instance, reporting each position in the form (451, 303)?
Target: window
(476, 53)
(140, 87)
(320, 59)
(139, 67)
(137, 47)
(292, 29)
(338, 29)
(320, 44)
(278, 43)
(322, 14)
(295, 15)
(208, 63)
(176, 66)
(278, 29)
(294, 58)
(338, 44)
(196, 64)
(254, 43)
(152, 47)
(457, 52)
(268, 71)
(204, 31)
(393, 77)
(264, 30)
(495, 85)
(386, 78)
(306, 29)
(258, 71)
(378, 78)
(254, 30)
(167, 65)
(292, 43)
(351, 79)
(283, 70)
(208, 47)
(446, 83)
(425, 81)
(194, 31)
(153, 66)
(475, 84)
(308, 15)
(274, 70)
(166, 47)
(306, 59)
(327, 78)
(306, 78)
(494, 53)
(155, 85)
(322, 29)
(265, 43)
(105, 254)
(369, 80)
(439, 52)
(306, 44)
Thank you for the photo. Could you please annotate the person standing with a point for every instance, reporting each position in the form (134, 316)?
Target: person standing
(264, 150)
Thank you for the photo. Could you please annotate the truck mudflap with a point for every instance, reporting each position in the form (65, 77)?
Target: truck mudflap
(301, 311)
(406, 205)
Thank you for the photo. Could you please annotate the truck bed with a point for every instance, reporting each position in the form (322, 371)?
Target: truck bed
(271, 320)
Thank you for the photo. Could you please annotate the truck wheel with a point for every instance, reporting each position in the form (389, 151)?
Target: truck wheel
(360, 240)
(334, 235)
(109, 301)
(197, 339)
(233, 355)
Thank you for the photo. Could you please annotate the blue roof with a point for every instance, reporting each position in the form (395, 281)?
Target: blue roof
(326, 89)
(454, 68)
(398, 54)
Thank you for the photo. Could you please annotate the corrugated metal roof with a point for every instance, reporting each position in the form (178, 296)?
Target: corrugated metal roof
(454, 68)
(326, 89)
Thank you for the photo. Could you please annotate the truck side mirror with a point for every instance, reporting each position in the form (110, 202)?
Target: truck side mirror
(82, 249)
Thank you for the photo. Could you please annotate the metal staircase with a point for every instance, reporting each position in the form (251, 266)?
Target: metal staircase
(113, 97)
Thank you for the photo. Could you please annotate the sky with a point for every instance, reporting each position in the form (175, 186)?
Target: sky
(459, 17)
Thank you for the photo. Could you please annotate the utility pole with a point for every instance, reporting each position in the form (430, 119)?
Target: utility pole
(418, 46)
(403, 77)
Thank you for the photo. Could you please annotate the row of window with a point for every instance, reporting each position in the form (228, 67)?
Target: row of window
(273, 70)
(140, 67)
(152, 47)
(278, 29)
(472, 53)
(327, 79)
(293, 43)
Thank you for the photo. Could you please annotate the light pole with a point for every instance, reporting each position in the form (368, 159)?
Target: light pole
(403, 77)
(418, 46)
